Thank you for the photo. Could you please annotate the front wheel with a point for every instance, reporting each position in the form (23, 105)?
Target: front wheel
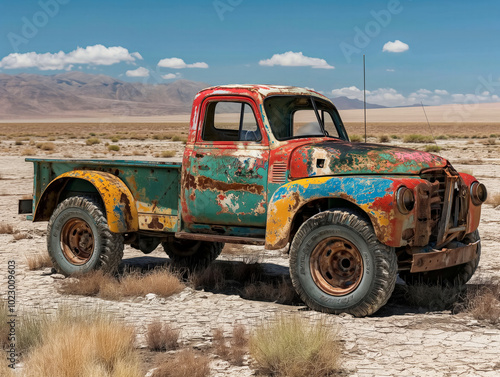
(79, 239)
(337, 264)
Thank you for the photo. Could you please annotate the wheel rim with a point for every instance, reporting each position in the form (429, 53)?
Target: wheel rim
(77, 241)
(336, 266)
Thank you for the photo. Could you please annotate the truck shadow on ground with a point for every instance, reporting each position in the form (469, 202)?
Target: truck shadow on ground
(269, 282)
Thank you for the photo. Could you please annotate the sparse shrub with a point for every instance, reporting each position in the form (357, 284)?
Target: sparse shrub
(490, 142)
(114, 148)
(234, 349)
(434, 297)
(137, 137)
(416, 138)
(115, 139)
(294, 347)
(38, 261)
(179, 138)
(356, 138)
(185, 363)
(92, 141)
(4, 326)
(46, 146)
(162, 337)
(441, 137)
(6, 228)
(169, 153)
(28, 152)
(18, 142)
(394, 137)
(92, 133)
(383, 139)
(432, 148)
(281, 292)
(484, 303)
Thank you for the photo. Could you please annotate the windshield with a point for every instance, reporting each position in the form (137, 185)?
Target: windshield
(302, 116)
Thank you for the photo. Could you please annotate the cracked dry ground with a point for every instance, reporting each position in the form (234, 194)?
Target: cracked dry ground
(397, 341)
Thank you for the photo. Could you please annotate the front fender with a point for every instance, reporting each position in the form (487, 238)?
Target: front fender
(121, 211)
(376, 196)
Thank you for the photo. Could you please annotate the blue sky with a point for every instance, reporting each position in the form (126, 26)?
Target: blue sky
(430, 51)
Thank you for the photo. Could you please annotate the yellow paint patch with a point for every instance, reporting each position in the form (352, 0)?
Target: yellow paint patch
(163, 223)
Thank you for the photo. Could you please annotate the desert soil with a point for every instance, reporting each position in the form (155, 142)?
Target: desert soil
(397, 341)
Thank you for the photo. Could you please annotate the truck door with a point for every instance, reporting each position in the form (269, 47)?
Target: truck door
(225, 177)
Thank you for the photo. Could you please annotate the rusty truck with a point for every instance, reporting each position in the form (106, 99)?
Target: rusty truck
(271, 166)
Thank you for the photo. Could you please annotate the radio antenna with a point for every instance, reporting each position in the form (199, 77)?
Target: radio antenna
(427, 119)
(364, 92)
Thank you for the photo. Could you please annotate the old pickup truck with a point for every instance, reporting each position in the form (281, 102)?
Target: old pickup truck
(272, 166)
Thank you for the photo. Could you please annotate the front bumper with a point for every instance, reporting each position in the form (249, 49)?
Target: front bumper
(454, 254)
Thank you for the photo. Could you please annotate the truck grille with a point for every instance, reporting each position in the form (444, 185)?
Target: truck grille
(446, 207)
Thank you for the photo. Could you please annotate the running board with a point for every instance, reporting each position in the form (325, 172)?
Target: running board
(219, 238)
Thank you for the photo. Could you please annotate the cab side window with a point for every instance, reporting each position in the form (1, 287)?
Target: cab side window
(230, 121)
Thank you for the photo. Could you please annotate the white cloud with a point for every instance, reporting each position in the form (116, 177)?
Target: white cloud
(177, 63)
(295, 59)
(390, 70)
(441, 92)
(92, 55)
(391, 97)
(396, 46)
(170, 76)
(139, 72)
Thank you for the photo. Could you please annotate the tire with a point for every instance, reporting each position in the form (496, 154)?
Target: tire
(337, 264)
(192, 254)
(452, 277)
(79, 239)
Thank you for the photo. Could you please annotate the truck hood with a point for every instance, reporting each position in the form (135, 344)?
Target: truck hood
(339, 157)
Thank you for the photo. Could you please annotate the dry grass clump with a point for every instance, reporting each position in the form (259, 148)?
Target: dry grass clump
(135, 136)
(416, 138)
(356, 138)
(281, 292)
(114, 148)
(234, 349)
(169, 153)
(432, 148)
(18, 142)
(162, 337)
(21, 236)
(90, 344)
(38, 261)
(161, 282)
(46, 146)
(6, 228)
(484, 303)
(434, 297)
(28, 152)
(493, 199)
(292, 346)
(92, 141)
(185, 363)
(490, 141)
(383, 138)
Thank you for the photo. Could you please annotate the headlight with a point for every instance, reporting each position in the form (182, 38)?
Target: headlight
(478, 193)
(405, 199)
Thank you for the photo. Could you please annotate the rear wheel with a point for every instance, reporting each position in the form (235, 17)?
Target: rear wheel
(455, 276)
(337, 264)
(192, 254)
(79, 239)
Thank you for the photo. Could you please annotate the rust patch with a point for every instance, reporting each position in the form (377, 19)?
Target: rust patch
(155, 224)
(206, 183)
(127, 213)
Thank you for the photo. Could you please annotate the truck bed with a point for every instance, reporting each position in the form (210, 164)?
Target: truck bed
(155, 185)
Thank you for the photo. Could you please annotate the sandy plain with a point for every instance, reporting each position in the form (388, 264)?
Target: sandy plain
(399, 340)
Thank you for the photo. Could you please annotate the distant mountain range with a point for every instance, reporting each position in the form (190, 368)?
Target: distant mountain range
(77, 94)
